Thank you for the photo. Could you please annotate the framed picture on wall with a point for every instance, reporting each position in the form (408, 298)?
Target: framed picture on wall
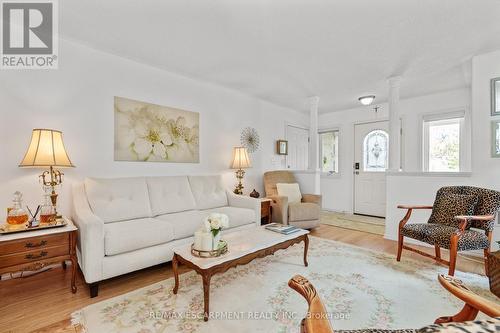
(495, 138)
(146, 132)
(495, 96)
(282, 147)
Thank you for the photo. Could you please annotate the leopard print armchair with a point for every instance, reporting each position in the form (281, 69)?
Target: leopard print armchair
(462, 219)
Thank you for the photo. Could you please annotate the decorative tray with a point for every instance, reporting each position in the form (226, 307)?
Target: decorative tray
(210, 254)
(13, 228)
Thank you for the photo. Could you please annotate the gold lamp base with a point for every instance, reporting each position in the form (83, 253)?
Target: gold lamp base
(240, 173)
(56, 178)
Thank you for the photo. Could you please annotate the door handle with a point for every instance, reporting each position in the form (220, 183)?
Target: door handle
(356, 172)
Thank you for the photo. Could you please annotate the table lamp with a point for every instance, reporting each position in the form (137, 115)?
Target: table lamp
(240, 161)
(46, 150)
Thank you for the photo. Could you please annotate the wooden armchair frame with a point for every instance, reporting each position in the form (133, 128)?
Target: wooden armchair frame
(317, 321)
(464, 221)
(473, 303)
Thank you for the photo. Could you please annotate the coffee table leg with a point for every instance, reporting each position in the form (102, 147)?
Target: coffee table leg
(175, 266)
(206, 295)
(306, 247)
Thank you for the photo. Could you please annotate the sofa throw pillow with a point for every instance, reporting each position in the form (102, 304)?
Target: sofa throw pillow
(292, 191)
(447, 206)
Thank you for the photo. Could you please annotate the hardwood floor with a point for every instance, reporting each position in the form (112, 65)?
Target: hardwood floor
(44, 302)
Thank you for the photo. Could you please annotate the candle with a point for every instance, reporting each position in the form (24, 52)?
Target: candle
(206, 242)
(198, 236)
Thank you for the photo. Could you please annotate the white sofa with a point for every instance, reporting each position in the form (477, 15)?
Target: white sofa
(126, 224)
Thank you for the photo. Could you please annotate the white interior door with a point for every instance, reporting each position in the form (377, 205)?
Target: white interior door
(371, 160)
(298, 148)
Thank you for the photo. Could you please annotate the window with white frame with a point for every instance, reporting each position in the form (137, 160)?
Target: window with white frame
(443, 142)
(329, 151)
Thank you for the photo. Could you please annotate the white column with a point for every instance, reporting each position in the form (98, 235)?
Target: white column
(314, 142)
(394, 124)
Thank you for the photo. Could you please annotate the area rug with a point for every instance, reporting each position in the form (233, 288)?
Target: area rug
(360, 289)
(369, 224)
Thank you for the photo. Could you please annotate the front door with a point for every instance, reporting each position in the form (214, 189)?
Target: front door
(298, 148)
(371, 160)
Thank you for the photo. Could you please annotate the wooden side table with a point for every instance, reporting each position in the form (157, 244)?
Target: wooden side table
(266, 215)
(34, 250)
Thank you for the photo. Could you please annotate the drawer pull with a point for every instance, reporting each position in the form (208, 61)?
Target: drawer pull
(32, 256)
(31, 245)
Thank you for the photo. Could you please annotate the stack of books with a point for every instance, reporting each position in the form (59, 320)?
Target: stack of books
(281, 228)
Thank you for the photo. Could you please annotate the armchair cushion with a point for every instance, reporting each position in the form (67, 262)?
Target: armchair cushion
(477, 326)
(291, 191)
(271, 178)
(488, 202)
(303, 211)
(446, 207)
(437, 234)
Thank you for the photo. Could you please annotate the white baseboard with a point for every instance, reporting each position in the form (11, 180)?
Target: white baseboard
(336, 211)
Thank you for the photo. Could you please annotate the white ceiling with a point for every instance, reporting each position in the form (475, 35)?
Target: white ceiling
(287, 50)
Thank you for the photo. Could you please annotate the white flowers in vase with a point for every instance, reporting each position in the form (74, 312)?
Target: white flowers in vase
(214, 223)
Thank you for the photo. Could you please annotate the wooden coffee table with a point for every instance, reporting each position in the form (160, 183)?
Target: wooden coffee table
(243, 247)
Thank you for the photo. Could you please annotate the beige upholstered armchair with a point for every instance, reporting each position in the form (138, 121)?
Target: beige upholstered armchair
(305, 214)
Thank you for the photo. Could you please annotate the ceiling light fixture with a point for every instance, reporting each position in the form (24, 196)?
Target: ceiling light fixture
(366, 100)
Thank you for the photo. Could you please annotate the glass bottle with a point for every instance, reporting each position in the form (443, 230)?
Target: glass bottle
(47, 211)
(17, 215)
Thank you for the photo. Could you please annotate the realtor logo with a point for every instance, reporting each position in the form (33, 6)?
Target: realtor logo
(29, 34)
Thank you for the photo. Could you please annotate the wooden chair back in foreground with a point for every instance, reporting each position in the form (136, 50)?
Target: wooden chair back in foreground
(473, 302)
(316, 320)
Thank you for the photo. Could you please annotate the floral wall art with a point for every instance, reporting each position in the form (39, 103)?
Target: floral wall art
(154, 133)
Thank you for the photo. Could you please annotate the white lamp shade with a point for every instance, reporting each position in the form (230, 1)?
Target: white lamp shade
(46, 149)
(240, 158)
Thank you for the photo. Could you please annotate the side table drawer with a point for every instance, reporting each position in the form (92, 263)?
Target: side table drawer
(33, 243)
(30, 256)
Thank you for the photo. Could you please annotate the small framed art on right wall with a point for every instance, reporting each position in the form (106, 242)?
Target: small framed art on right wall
(495, 96)
(495, 138)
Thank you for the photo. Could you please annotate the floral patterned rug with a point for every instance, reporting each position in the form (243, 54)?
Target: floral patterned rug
(360, 289)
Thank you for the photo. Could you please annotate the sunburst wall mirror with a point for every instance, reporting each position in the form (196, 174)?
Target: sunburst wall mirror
(250, 139)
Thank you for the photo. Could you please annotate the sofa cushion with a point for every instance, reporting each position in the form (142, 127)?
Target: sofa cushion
(118, 199)
(303, 211)
(184, 224)
(170, 195)
(126, 236)
(237, 216)
(208, 191)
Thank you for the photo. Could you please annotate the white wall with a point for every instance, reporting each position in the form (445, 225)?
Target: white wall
(78, 99)
(418, 189)
(337, 190)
